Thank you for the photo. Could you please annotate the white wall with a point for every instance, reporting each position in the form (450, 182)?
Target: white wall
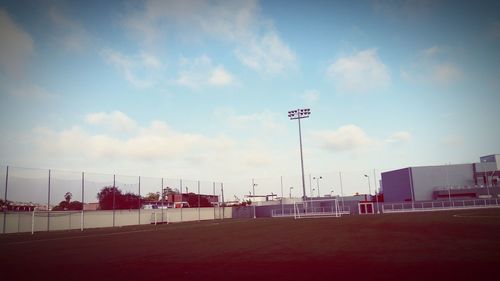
(427, 179)
(22, 221)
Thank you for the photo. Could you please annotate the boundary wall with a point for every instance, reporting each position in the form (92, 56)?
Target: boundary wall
(17, 222)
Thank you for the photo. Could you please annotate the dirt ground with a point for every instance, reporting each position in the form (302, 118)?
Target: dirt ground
(445, 245)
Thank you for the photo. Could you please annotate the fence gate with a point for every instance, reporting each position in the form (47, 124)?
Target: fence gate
(365, 208)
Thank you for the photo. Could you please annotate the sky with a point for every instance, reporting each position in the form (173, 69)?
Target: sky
(201, 89)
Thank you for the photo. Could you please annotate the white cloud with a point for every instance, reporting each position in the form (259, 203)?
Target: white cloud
(150, 61)
(345, 138)
(452, 141)
(431, 67)
(445, 73)
(268, 54)
(220, 77)
(156, 142)
(16, 46)
(140, 70)
(399, 137)
(257, 158)
(116, 120)
(255, 42)
(265, 119)
(311, 96)
(200, 71)
(360, 73)
(429, 52)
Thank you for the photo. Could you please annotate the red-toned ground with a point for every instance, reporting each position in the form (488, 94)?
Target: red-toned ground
(447, 245)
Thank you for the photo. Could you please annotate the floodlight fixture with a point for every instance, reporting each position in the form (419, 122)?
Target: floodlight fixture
(298, 114)
(317, 183)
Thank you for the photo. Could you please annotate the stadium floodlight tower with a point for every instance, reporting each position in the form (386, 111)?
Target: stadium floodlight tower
(299, 114)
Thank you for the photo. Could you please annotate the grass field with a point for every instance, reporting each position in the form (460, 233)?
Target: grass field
(447, 245)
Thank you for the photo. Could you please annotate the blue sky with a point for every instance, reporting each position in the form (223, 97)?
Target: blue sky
(201, 89)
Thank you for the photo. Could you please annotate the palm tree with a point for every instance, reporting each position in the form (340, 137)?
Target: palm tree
(68, 197)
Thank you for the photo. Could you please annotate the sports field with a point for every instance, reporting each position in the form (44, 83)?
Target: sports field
(447, 245)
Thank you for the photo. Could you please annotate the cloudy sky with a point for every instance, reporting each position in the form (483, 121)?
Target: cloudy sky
(201, 89)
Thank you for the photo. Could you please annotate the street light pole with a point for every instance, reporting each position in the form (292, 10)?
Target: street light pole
(369, 187)
(317, 184)
(299, 114)
(253, 186)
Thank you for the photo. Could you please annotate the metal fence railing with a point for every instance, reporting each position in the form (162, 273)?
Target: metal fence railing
(44, 200)
(289, 211)
(440, 205)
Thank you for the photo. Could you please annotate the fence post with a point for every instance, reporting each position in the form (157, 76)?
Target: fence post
(114, 189)
(6, 204)
(140, 205)
(162, 192)
(214, 198)
(199, 214)
(83, 202)
(223, 205)
(33, 222)
(182, 197)
(48, 205)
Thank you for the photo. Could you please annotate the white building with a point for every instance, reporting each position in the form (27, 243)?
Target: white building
(435, 182)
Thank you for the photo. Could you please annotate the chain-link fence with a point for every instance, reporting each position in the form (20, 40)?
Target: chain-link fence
(34, 200)
(314, 185)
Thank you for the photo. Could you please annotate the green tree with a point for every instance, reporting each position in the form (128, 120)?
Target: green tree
(152, 196)
(75, 205)
(108, 197)
(193, 201)
(111, 197)
(68, 205)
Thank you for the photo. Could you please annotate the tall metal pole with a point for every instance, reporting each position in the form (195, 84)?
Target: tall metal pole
(412, 190)
(341, 190)
(182, 197)
(163, 199)
(6, 204)
(223, 205)
(302, 165)
(369, 188)
(222, 191)
(485, 179)
(214, 198)
(140, 204)
(299, 114)
(310, 185)
(253, 187)
(317, 184)
(376, 193)
(281, 181)
(448, 184)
